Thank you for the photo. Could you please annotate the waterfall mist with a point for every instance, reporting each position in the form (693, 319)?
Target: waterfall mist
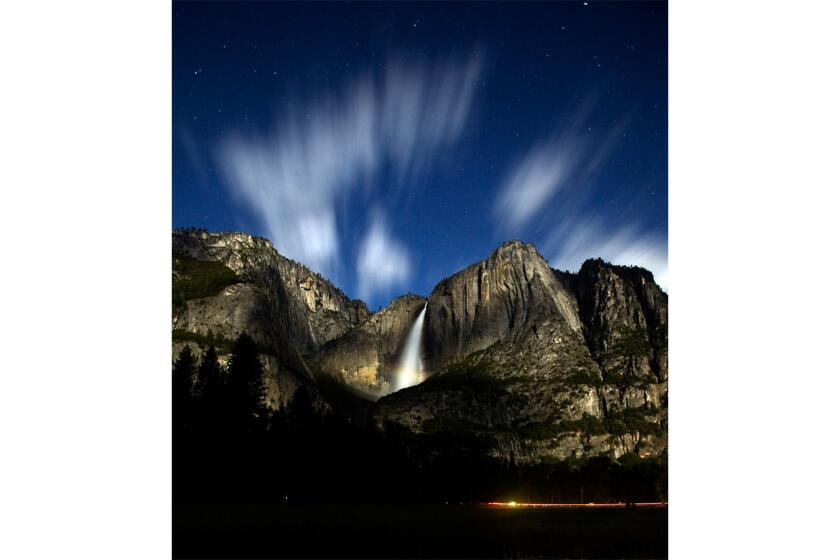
(411, 365)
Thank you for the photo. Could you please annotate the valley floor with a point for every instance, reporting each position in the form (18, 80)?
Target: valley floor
(251, 531)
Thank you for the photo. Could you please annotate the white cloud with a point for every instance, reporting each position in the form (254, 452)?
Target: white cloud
(532, 183)
(629, 246)
(321, 151)
(383, 262)
(291, 179)
(425, 107)
(553, 182)
(568, 162)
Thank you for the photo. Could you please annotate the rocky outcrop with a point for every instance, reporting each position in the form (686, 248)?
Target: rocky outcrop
(561, 364)
(493, 299)
(366, 357)
(287, 309)
(625, 318)
(308, 309)
(239, 308)
(540, 363)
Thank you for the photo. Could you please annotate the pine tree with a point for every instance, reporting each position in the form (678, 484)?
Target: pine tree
(301, 414)
(182, 373)
(209, 388)
(246, 392)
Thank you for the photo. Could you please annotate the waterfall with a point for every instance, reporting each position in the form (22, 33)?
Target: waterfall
(411, 366)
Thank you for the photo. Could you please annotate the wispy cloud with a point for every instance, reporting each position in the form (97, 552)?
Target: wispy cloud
(533, 182)
(630, 245)
(192, 153)
(383, 262)
(292, 178)
(326, 148)
(554, 182)
(563, 165)
(425, 107)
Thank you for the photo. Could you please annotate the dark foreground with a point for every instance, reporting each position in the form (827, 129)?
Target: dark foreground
(230, 531)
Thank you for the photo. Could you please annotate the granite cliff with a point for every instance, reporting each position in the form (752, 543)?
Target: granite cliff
(543, 363)
(290, 311)
(536, 363)
(366, 357)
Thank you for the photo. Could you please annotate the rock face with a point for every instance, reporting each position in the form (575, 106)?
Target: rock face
(493, 299)
(625, 315)
(366, 357)
(238, 308)
(307, 307)
(546, 363)
(537, 362)
(290, 311)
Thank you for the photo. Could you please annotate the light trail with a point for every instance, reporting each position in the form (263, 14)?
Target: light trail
(589, 505)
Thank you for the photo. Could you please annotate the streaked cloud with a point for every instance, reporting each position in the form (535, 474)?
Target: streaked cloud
(551, 185)
(326, 148)
(533, 182)
(629, 245)
(292, 178)
(557, 170)
(192, 153)
(383, 262)
(425, 107)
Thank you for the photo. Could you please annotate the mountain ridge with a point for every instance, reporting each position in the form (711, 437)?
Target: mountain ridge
(546, 363)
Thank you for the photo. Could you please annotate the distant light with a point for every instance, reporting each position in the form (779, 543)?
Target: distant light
(574, 505)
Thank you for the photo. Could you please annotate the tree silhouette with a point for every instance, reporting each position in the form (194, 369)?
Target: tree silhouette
(245, 392)
(182, 373)
(209, 389)
(301, 414)
(231, 435)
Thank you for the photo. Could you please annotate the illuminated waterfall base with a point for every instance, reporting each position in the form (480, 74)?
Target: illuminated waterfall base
(411, 365)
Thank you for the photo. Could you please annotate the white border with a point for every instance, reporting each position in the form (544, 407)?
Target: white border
(86, 217)
(85, 221)
(753, 268)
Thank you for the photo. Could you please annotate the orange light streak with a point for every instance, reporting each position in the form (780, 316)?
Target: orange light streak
(591, 505)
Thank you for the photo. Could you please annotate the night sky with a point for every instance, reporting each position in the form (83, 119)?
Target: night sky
(387, 146)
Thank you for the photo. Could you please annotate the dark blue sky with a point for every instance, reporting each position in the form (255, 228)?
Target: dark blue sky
(389, 145)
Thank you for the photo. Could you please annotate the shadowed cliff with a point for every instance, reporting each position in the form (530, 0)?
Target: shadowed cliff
(536, 363)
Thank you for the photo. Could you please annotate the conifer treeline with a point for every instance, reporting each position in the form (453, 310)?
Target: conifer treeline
(229, 399)
(228, 447)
